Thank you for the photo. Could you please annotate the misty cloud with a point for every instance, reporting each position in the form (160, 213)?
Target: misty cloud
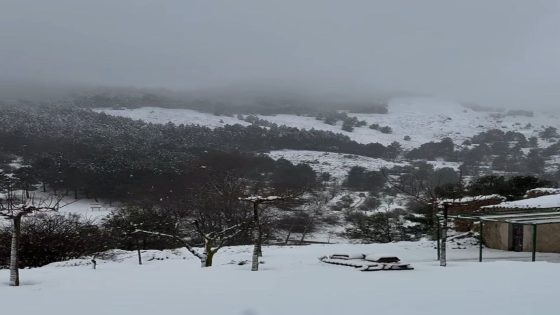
(503, 52)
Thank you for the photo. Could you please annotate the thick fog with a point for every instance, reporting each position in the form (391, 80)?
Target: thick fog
(500, 53)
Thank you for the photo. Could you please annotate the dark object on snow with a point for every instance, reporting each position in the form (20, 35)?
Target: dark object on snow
(367, 263)
(347, 256)
(382, 259)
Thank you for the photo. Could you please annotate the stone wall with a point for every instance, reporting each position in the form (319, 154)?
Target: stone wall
(496, 235)
(548, 238)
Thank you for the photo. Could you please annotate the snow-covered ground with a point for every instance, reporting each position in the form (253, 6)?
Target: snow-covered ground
(87, 208)
(336, 164)
(423, 119)
(160, 115)
(291, 281)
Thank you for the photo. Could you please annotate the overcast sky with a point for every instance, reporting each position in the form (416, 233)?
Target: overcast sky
(495, 52)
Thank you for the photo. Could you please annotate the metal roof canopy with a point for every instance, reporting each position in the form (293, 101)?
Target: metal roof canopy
(525, 217)
(533, 217)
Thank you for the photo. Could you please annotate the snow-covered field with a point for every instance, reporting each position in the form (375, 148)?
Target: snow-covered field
(291, 281)
(423, 119)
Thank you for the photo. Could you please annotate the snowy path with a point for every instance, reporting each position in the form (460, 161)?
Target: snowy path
(292, 281)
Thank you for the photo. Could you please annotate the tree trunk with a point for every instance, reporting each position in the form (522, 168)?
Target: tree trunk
(255, 260)
(14, 257)
(209, 258)
(206, 261)
(259, 243)
(75, 193)
(288, 236)
(303, 234)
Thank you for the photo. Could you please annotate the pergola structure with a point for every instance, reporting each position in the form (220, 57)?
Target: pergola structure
(532, 217)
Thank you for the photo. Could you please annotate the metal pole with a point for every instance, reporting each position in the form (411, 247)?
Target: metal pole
(139, 257)
(480, 242)
(138, 249)
(534, 242)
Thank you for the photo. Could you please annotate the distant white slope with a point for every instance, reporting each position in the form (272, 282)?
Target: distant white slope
(422, 119)
(337, 164)
(158, 115)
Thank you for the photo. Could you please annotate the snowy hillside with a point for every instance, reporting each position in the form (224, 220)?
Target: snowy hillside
(422, 119)
(291, 281)
(159, 115)
(338, 164)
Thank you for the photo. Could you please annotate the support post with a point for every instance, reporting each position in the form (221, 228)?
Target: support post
(436, 226)
(438, 236)
(534, 255)
(443, 254)
(480, 239)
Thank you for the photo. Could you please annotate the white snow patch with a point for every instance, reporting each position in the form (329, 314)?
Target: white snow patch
(424, 119)
(337, 164)
(544, 202)
(176, 116)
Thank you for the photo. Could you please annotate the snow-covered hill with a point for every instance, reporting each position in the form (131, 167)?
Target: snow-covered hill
(422, 119)
(338, 164)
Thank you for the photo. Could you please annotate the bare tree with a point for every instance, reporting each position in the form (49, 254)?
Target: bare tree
(213, 241)
(256, 201)
(424, 190)
(304, 219)
(14, 205)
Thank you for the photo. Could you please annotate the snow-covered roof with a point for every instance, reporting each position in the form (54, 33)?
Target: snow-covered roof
(548, 191)
(469, 199)
(543, 202)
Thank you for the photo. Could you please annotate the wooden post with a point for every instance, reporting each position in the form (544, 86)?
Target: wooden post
(436, 226)
(14, 251)
(443, 254)
(534, 255)
(256, 238)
